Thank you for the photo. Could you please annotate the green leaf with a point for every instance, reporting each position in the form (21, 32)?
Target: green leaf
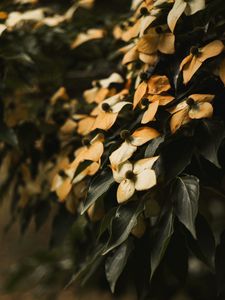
(175, 156)
(209, 136)
(204, 246)
(185, 196)
(116, 262)
(99, 186)
(123, 222)
(161, 237)
(106, 221)
(153, 146)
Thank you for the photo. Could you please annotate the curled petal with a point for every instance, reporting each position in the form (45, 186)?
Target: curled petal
(190, 68)
(202, 97)
(145, 180)
(130, 56)
(85, 125)
(210, 50)
(175, 13)
(123, 153)
(118, 106)
(125, 190)
(144, 164)
(178, 119)
(148, 44)
(158, 84)
(143, 134)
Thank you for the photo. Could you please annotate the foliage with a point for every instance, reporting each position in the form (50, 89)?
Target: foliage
(113, 120)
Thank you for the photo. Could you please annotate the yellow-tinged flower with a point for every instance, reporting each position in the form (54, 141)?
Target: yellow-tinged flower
(101, 88)
(108, 111)
(63, 181)
(84, 123)
(155, 85)
(191, 63)
(197, 106)
(138, 176)
(132, 141)
(183, 6)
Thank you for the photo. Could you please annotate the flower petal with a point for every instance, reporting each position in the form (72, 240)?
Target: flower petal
(144, 164)
(85, 125)
(89, 171)
(145, 180)
(178, 119)
(125, 190)
(63, 190)
(123, 153)
(194, 6)
(158, 84)
(212, 49)
(148, 44)
(105, 120)
(202, 97)
(166, 43)
(121, 170)
(118, 106)
(175, 13)
(130, 56)
(143, 134)
(139, 93)
(203, 110)
(222, 71)
(149, 114)
(190, 68)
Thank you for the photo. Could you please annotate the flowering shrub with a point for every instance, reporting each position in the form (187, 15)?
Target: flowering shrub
(134, 158)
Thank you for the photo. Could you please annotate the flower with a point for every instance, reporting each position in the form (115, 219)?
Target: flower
(191, 63)
(91, 34)
(101, 88)
(138, 176)
(139, 137)
(108, 111)
(186, 6)
(84, 123)
(196, 106)
(155, 85)
(64, 179)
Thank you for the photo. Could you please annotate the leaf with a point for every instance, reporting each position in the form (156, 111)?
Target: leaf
(8, 135)
(161, 237)
(153, 146)
(105, 223)
(209, 136)
(220, 265)
(175, 156)
(185, 197)
(123, 222)
(98, 186)
(82, 166)
(116, 262)
(204, 246)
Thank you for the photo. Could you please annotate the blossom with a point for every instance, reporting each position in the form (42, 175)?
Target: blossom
(108, 111)
(196, 106)
(191, 63)
(180, 6)
(138, 176)
(91, 34)
(155, 85)
(63, 181)
(132, 141)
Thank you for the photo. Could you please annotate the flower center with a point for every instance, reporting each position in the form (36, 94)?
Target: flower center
(190, 102)
(125, 135)
(62, 174)
(195, 51)
(144, 76)
(86, 141)
(145, 102)
(144, 11)
(106, 107)
(130, 175)
(159, 29)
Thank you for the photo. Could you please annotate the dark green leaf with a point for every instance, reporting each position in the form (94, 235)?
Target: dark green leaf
(122, 224)
(185, 197)
(153, 146)
(220, 265)
(116, 262)
(209, 136)
(161, 237)
(204, 246)
(99, 186)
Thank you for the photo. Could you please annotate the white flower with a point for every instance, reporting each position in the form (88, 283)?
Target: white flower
(139, 137)
(138, 176)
